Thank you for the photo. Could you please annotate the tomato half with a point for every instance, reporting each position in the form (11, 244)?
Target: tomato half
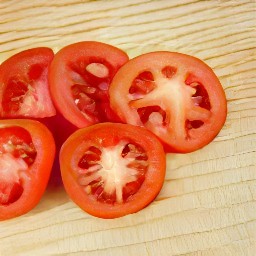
(80, 75)
(27, 151)
(176, 96)
(24, 89)
(111, 170)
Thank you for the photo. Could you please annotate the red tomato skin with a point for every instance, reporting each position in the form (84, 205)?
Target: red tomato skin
(113, 132)
(26, 66)
(59, 71)
(38, 173)
(61, 129)
(119, 90)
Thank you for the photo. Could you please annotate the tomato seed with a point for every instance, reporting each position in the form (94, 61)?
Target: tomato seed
(169, 71)
(98, 70)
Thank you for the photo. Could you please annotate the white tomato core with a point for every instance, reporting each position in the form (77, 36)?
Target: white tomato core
(114, 174)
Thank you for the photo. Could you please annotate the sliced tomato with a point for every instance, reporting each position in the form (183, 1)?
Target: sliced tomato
(80, 75)
(27, 151)
(111, 170)
(24, 90)
(176, 96)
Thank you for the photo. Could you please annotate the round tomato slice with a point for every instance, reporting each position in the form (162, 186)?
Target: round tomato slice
(24, 90)
(80, 75)
(111, 170)
(27, 151)
(176, 96)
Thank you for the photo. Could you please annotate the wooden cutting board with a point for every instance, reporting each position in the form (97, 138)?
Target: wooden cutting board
(208, 203)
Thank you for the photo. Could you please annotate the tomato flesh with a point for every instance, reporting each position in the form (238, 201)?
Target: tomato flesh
(17, 141)
(17, 153)
(113, 174)
(111, 169)
(176, 96)
(27, 151)
(36, 71)
(149, 88)
(144, 84)
(24, 88)
(86, 69)
(10, 184)
(90, 89)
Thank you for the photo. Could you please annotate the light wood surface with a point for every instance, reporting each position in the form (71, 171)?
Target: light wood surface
(208, 203)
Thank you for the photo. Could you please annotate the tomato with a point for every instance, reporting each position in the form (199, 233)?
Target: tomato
(111, 170)
(24, 89)
(176, 96)
(27, 152)
(79, 78)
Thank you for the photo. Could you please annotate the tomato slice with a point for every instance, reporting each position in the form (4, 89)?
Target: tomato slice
(27, 151)
(176, 96)
(111, 170)
(24, 90)
(79, 78)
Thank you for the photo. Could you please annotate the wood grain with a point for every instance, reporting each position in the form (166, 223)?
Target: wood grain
(208, 203)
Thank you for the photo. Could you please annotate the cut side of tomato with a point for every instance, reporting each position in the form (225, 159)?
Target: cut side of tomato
(10, 184)
(176, 96)
(17, 141)
(113, 174)
(79, 79)
(17, 153)
(27, 152)
(24, 90)
(111, 170)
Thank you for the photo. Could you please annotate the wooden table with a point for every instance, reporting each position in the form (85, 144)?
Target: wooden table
(208, 203)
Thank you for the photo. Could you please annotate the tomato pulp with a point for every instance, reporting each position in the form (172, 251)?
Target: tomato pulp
(24, 90)
(111, 170)
(176, 96)
(27, 151)
(79, 79)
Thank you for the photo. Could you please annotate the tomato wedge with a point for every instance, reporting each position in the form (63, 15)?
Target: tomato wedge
(79, 78)
(111, 170)
(176, 96)
(27, 151)
(24, 89)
